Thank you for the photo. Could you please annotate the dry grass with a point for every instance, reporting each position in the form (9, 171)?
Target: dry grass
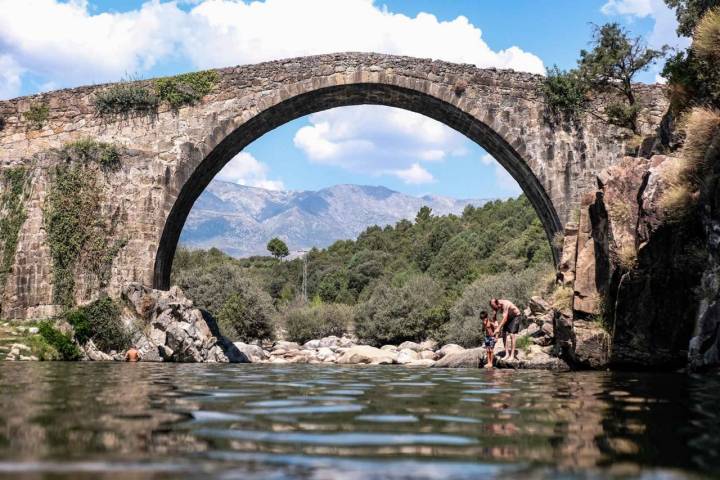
(558, 240)
(684, 175)
(562, 298)
(626, 257)
(706, 41)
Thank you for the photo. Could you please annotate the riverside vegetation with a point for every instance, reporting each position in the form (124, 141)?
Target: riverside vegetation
(404, 282)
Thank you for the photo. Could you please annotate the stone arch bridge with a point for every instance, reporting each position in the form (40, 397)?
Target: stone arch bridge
(169, 157)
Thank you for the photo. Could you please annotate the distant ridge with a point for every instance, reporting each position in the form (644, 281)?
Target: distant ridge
(240, 220)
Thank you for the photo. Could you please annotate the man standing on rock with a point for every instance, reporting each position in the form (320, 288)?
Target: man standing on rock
(510, 324)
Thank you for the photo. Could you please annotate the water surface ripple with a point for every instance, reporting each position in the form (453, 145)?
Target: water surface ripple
(165, 421)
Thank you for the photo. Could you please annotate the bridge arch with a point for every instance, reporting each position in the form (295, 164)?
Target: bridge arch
(476, 119)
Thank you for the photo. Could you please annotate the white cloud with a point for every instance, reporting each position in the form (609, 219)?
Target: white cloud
(10, 73)
(414, 175)
(663, 32)
(227, 32)
(245, 169)
(68, 44)
(378, 139)
(503, 180)
(506, 182)
(65, 44)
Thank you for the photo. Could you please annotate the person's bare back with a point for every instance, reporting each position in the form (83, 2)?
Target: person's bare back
(132, 355)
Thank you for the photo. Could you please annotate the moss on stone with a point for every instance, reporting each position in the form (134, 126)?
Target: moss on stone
(37, 115)
(12, 217)
(186, 89)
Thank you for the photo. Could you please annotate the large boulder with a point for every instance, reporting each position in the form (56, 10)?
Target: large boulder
(366, 354)
(592, 345)
(449, 348)
(174, 330)
(534, 358)
(407, 355)
(473, 357)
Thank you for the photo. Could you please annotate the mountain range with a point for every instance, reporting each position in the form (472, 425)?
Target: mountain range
(240, 220)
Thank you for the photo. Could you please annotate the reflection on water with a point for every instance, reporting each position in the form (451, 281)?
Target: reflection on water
(137, 421)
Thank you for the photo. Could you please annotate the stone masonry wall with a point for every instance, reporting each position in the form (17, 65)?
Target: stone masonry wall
(168, 158)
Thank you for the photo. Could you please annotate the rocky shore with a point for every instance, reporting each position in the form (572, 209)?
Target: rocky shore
(169, 328)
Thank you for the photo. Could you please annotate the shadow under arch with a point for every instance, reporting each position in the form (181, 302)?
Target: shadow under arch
(342, 96)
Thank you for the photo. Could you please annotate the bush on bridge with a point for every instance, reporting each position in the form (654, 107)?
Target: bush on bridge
(37, 115)
(185, 89)
(125, 99)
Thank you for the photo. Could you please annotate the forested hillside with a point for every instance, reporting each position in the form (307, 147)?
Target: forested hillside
(405, 281)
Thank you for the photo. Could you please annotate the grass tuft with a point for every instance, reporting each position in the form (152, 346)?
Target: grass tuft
(706, 41)
(186, 89)
(37, 115)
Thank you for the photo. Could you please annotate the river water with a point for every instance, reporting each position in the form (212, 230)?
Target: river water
(167, 421)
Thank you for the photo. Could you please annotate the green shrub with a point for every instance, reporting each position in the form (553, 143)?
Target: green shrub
(126, 99)
(41, 349)
(564, 91)
(622, 114)
(396, 313)
(88, 150)
(185, 89)
(100, 322)
(244, 316)
(37, 115)
(317, 321)
(61, 342)
(523, 343)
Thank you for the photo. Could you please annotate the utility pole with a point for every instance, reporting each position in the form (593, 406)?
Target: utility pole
(305, 273)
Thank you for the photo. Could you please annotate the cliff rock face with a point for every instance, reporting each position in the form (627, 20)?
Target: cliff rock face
(636, 270)
(704, 350)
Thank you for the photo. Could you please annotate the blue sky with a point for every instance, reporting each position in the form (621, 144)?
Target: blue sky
(48, 44)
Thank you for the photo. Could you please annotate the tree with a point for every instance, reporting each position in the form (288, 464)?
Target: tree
(694, 75)
(278, 248)
(612, 64)
(608, 67)
(689, 13)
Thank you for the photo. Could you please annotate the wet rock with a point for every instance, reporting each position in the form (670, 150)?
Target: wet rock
(366, 354)
(473, 357)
